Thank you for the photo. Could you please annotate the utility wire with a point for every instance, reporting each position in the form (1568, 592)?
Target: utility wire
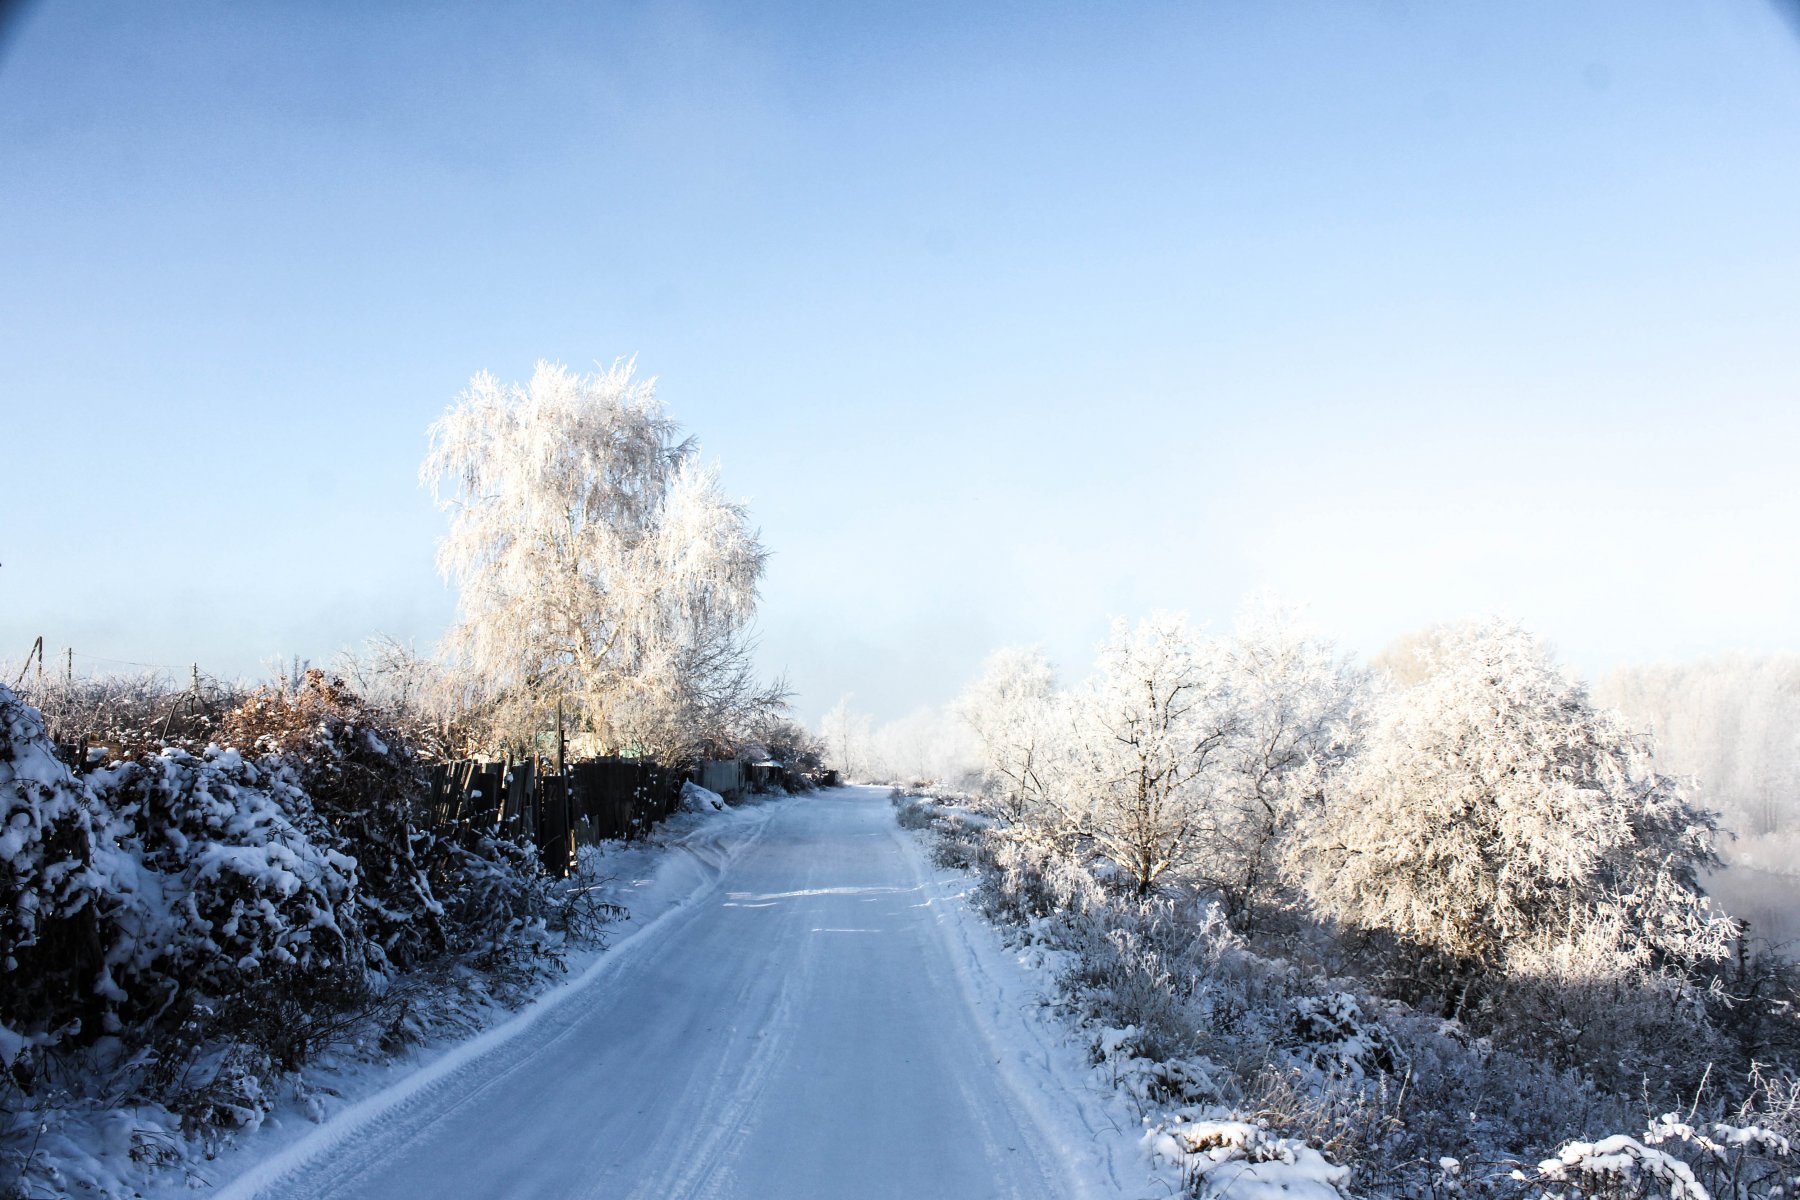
(126, 662)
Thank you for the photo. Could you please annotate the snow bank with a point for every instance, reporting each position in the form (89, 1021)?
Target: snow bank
(695, 798)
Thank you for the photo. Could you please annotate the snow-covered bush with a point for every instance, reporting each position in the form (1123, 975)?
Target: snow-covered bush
(1189, 1018)
(156, 882)
(365, 782)
(1184, 760)
(1297, 716)
(50, 946)
(132, 714)
(266, 894)
(1331, 1034)
(1675, 1158)
(1243, 1160)
(1480, 841)
(179, 927)
(218, 883)
(1497, 818)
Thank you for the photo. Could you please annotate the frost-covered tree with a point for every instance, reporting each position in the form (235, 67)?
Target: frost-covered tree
(1147, 732)
(1497, 814)
(598, 560)
(1013, 709)
(926, 746)
(847, 735)
(1734, 722)
(1296, 715)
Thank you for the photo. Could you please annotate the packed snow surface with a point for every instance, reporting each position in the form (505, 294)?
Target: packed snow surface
(822, 1020)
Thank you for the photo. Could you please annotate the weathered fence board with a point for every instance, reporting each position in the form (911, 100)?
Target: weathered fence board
(555, 829)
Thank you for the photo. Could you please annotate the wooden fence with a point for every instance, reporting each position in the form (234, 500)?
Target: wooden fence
(594, 800)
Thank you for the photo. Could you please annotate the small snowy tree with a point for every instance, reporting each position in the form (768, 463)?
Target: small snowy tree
(1497, 814)
(1296, 710)
(928, 746)
(597, 560)
(848, 736)
(1012, 708)
(1147, 732)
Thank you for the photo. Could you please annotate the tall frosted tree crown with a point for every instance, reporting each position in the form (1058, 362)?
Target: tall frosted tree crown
(1498, 814)
(596, 558)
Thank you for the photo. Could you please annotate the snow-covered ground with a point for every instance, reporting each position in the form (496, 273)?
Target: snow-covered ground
(802, 1008)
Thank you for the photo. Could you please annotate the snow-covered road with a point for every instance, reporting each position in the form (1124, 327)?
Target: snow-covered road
(813, 1023)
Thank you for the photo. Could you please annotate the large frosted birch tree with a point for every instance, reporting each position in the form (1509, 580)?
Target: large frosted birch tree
(597, 560)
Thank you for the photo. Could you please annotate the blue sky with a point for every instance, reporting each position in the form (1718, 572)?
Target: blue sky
(1006, 318)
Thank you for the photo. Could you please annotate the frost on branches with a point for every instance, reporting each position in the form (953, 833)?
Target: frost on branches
(1148, 729)
(1013, 710)
(1297, 720)
(597, 561)
(1183, 758)
(1500, 819)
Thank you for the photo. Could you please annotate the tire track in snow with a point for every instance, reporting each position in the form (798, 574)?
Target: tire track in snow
(1030, 1078)
(730, 1091)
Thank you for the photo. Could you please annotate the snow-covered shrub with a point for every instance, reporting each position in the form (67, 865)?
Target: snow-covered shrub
(156, 883)
(1675, 1158)
(1616, 1026)
(180, 927)
(502, 903)
(1297, 710)
(1621, 1166)
(366, 782)
(50, 944)
(1331, 1034)
(219, 882)
(1245, 1161)
(1012, 710)
(1184, 1012)
(1174, 971)
(1183, 759)
(133, 715)
(472, 894)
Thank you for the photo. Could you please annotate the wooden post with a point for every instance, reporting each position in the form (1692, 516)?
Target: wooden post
(71, 660)
(37, 648)
(562, 743)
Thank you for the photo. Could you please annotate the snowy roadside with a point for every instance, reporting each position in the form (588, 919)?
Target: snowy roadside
(351, 1085)
(1043, 1058)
